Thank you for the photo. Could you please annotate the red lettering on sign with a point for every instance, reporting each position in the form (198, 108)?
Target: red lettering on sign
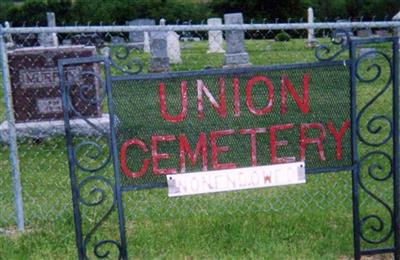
(253, 143)
(184, 148)
(304, 141)
(249, 97)
(236, 97)
(304, 105)
(274, 143)
(220, 108)
(163, 104)
(158, 156)
(215, 150)
(267, 179)
(124, 167)
(338, 136)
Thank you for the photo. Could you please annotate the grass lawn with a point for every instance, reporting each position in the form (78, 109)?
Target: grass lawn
(309, 221)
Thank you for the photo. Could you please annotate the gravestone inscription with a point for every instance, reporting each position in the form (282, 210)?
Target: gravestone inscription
(35, 83)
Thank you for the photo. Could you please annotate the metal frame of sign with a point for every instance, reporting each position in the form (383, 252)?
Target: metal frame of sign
(106, 152)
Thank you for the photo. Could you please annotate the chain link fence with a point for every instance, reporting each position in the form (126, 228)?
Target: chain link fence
(33, 53)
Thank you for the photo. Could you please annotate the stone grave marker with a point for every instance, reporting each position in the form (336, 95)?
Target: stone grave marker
(159, 61)
(382, 33)
(215, 38)
(311, 41)
(236, 55)
(138, 38)
(364, 33)
(396, 31)
(49, 39)
(173, 48)
(35, 83)
(364, 51)
(8, 37)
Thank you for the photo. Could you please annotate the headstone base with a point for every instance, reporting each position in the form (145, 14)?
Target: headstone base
(135, 45)
(159, 65)
(312, 43)
(237, 60)
(44, 129)
(369, 53)
(216, 51)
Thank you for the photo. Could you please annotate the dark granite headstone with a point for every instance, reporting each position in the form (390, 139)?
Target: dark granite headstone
(364, 33)
(382, 33)
(35, 83)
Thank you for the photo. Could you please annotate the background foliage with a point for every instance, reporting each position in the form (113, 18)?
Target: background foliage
(120, 11)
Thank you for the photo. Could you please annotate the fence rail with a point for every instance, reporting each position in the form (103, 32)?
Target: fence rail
(181, 28)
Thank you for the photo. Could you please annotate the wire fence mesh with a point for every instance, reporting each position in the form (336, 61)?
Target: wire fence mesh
(41, 143)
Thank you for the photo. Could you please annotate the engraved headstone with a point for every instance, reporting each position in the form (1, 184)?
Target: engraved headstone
(49, 39)
(173, 48)
(138, 37)
(311, 41)
(35, 83)
(236, 55)
(215, 39)
(159, 61)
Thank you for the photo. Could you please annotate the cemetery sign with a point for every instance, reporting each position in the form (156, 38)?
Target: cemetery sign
(227, 119)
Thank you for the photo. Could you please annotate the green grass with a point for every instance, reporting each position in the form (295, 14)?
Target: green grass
(310, 221)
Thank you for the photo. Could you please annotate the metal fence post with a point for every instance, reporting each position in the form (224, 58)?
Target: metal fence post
(12, 134)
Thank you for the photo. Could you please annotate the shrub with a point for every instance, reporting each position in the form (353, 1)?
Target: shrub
(282, 37)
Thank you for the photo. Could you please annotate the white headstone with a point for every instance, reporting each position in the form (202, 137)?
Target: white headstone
(397, 18)
(146, 46)
(9, 40)
(311, 42)
(49, 39)
(174, 48)
(215, 39)
(162, 21)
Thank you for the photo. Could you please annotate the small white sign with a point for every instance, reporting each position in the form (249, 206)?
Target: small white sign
(236, 179)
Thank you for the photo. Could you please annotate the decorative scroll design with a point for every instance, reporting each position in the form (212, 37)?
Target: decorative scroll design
(83, 86)
(340, 37)
(92, 156)
(122, 58)
(373, 222)
(375, 228)
(97, 196)
(375, 124)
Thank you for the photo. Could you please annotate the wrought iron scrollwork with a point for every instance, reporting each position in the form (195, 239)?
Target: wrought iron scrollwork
(124, 58)
(91, 157)
(80, 84)
(93, 151)
(373, 223)
(375, 130)
(97, 196)
(375, 124)
(340, 37)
